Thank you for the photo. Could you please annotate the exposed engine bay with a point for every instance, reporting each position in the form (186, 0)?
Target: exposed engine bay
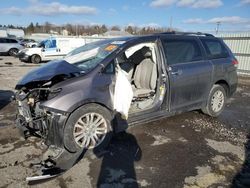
(31, 117)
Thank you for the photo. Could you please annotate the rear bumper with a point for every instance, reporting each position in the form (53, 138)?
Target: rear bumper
(232, 80)
(233, 89)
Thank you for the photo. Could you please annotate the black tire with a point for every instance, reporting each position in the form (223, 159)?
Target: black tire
(13, 51)
(208, 109)
(36, 59)
(68, 137)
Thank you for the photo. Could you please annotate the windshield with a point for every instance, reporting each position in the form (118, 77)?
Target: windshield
(49, 43)
(87, 57)
(41, 44)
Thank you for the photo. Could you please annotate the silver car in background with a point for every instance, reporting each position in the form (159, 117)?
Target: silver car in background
(9, 46)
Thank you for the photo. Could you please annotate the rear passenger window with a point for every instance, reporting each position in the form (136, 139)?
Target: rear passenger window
(214, 48)
(3, 40)
(181, 51)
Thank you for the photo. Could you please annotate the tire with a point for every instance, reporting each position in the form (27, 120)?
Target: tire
(216, 101)
(36, 59)
(13, 51)
(72, 126)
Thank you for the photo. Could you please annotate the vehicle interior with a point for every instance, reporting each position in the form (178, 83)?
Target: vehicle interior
(139, 64)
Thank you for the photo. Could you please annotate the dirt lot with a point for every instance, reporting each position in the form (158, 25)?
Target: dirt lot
(188, 150)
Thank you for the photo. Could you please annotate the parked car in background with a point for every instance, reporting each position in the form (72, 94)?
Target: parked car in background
(72, 102)
(31, 44)
(50, 49)
(9, 46)
(24, 42)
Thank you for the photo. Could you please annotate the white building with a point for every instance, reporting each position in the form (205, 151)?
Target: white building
(65, 32)
(3, 33)
(116, 34)
(8, 32)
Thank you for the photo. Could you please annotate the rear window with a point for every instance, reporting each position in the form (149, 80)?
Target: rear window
(12, 41)
(181, 51)
(214, 48)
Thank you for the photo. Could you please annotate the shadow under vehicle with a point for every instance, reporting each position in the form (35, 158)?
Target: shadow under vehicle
(72, 103)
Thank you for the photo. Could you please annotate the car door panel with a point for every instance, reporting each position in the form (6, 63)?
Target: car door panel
(50, 51)
(189, 83)
(189, 80)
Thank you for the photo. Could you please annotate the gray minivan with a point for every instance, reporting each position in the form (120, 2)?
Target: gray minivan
(70, 102)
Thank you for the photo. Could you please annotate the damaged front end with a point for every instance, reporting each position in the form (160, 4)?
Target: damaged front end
(31, 119)
(36, 120)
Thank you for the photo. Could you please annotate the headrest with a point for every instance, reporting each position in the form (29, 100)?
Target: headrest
(146, 52)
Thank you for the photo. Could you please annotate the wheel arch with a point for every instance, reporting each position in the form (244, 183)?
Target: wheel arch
(90, 101)
(94, 103)
(224, 84)
(13, 48)
(36, 54)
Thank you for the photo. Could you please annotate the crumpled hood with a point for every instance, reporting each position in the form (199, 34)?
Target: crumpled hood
(48, 71)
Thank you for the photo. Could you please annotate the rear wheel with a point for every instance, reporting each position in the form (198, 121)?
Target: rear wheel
(89, 127)
(216, 101)
(13, 51)
(35, 59)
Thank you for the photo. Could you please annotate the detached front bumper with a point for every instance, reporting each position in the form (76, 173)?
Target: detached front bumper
(49, 127)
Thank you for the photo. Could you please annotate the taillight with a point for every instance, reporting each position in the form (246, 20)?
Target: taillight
(235, 62)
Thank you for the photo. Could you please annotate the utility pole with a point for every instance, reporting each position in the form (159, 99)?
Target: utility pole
(217, 27)
(171, 23)
(76, 29)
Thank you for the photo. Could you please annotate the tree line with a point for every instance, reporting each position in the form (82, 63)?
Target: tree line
(80, 29)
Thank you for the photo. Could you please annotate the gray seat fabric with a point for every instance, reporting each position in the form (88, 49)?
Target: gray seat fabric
(145, 75)
(142, 92)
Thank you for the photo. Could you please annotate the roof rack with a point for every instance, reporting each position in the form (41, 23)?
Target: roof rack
(188, 33)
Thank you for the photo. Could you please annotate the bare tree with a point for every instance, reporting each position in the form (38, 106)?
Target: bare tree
(115, 28)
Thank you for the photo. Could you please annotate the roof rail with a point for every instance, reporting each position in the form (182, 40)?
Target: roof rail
(188, 33)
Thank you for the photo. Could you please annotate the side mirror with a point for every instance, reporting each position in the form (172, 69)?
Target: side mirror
(43, 50)
(102, 69)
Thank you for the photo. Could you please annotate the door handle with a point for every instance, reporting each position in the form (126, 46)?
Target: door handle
(178, 72)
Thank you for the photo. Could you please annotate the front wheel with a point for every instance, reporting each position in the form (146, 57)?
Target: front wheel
(35, 59)
(13, 51)
(89, 127)
(216, 101)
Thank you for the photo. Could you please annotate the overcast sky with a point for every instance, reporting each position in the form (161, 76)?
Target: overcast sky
(187, 15)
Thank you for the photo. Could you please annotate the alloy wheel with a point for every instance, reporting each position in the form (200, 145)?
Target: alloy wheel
(90, 130)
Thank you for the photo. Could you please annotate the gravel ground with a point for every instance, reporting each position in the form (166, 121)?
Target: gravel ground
(188, 150)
